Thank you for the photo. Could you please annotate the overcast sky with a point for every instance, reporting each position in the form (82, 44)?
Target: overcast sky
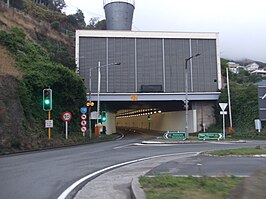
(241, 23)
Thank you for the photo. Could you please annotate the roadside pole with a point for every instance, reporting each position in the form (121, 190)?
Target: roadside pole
(223, 126)
(66, 130)
(229, 99)
(49, 129)
(223, 112)
(66, 117)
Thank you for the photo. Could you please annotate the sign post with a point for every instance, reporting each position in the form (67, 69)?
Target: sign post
(66, 117)
(223, 107)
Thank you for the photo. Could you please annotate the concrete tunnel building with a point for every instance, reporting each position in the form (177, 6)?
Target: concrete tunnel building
(150, 82)
(153, 69)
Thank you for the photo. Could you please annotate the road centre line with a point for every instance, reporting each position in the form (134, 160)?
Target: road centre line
(99, 172)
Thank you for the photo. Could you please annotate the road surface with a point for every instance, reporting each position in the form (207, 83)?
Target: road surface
(47, 174)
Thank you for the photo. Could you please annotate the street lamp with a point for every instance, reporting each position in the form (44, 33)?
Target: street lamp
(186, 87)
(98, 92)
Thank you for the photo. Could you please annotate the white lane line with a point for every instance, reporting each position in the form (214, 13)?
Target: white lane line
(121, 137)
(124, 146)
(74, 185)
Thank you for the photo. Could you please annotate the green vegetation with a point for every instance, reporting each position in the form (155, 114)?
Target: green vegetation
(172, 187)
(41, 71)
(242, 151)
(244, 105)
(244, 101)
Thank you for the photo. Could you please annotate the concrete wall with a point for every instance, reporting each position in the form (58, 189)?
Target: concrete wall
(205, 113)
(172, 121)
(202, 113)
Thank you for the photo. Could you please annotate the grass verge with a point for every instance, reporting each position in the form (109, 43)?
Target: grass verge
(242, 151)
(172, 187)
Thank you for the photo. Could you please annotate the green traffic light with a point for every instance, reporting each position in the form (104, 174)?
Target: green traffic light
(47, 101)
(103, 119)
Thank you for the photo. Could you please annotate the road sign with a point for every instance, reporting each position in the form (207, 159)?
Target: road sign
(49, 123)
(66, 116)
(210, 136)
(94, 115)
(223, 106)
(83, 129)
(83, 123)
(134, 98)
(223, 112)
(175, 135)
(262, 102)
(83, 110)
(83, 116)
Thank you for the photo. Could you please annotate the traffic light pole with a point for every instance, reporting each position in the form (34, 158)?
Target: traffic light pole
(49, 129)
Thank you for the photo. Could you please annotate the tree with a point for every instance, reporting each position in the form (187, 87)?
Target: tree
(101, 25)
(244, 105)
(56, 5)
(95, 24)
(77, 19)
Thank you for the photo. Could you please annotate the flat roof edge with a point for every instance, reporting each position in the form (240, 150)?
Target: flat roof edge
(155, 96)
(146, 34)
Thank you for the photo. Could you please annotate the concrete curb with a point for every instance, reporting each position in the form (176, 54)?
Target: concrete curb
(136, 190)
(189, 142)
(172, 142)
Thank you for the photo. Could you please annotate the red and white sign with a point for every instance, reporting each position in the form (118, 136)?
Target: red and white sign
(83, 116)
(83, 123)
(83, 129)
(66, 116)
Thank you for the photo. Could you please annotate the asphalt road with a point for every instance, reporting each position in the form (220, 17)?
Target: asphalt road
(46, 174)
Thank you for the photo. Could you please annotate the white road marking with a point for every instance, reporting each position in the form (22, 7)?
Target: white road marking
(213, 142)
(74, 185)
(127, 145)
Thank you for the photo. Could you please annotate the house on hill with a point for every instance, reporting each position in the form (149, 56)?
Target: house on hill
(234, 67)
(259, 72)
(252, 67)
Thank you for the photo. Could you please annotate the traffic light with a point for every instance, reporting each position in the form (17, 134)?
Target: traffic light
(90, 104)
(104, 116)
(47, 99)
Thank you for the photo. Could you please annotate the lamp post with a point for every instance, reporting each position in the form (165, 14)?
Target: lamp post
(98, 91)
(186, 90)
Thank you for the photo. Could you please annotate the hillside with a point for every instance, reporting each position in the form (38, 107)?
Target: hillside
(34, 56)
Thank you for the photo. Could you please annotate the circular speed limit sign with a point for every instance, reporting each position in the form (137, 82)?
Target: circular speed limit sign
(66, 116)
(83, 116)
(83, 122)
(83, 129)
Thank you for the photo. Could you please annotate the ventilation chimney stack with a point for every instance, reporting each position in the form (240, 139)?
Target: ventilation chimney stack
(119, 14)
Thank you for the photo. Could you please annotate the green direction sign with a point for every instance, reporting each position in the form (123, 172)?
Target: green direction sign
(210, 136)
(175, 135)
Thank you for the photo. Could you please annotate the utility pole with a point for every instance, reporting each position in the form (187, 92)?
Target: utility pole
(229, 99)
(186, 92)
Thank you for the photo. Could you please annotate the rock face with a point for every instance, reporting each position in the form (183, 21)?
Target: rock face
(11, 113)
